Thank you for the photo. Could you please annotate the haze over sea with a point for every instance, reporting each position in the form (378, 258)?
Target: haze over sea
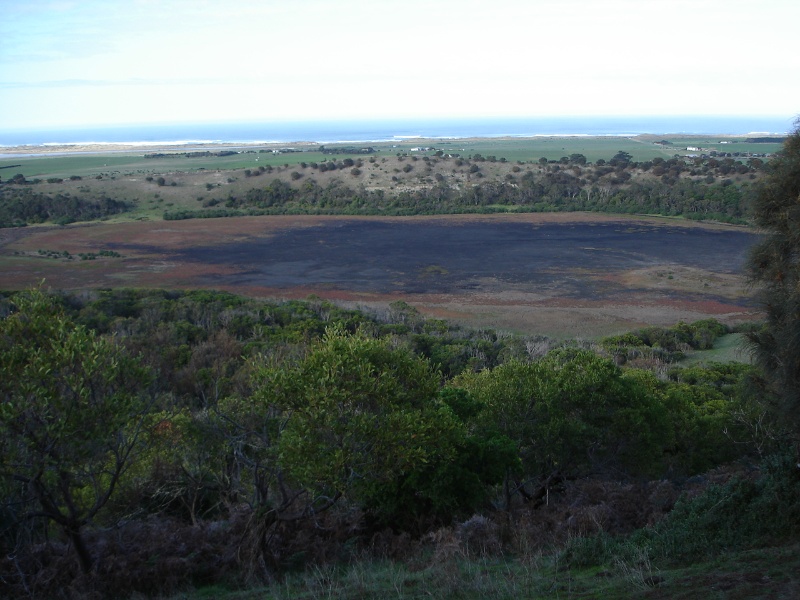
(396, 130)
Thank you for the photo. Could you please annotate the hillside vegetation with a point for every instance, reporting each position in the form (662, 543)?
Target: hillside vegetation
(715, 185)
(252, 440)
(205, 444)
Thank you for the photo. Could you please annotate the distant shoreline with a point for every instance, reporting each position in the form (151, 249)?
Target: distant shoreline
(183, 137)
(67, 149)
(43, 150)
(127, 148)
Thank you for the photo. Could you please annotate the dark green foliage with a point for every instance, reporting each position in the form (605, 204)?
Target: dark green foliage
(744, 513)
(572, 412)
(554, 190)
(775, 268)
(358, 420)
(71, 409)
(346, 150)
(455, 355)
(749, 511)
(22, 205)
(448, 487)
(266, 416)
(359, 413)
(707, 426)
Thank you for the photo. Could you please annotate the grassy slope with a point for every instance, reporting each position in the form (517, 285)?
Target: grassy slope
(755, 574)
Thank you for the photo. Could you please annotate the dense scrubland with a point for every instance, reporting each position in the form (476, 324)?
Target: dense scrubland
(159, 442)
(170, 439)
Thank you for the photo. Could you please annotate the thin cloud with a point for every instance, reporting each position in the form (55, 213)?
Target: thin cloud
(150, 60)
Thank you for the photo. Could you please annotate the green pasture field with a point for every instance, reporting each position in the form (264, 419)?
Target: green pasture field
(642, 148)
(721, 144)
(134, 163)
(512, 149)
(532, 149)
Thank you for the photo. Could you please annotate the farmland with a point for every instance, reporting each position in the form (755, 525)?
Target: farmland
(91, 161)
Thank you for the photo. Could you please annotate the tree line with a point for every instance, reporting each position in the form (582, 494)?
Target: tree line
(553, 192)
(21, 205)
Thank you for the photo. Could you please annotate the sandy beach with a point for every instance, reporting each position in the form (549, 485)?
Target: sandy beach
(139, 148)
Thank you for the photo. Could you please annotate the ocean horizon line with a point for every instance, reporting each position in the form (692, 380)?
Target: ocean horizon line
(387, 131)
(245, 142)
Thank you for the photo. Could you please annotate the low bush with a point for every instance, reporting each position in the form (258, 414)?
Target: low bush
(753, 509)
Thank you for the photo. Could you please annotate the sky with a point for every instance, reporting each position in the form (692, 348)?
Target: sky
(85, 62)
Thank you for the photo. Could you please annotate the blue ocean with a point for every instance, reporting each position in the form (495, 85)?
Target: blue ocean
(389, 130)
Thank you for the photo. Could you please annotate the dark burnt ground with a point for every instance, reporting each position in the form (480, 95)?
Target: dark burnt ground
(574, 260)
(557, 274)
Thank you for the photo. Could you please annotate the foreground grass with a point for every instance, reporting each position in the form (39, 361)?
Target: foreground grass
(763, 573)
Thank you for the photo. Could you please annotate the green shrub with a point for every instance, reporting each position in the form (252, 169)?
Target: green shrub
(742, 514)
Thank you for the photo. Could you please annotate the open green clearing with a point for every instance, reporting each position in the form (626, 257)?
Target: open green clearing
(728, 348)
